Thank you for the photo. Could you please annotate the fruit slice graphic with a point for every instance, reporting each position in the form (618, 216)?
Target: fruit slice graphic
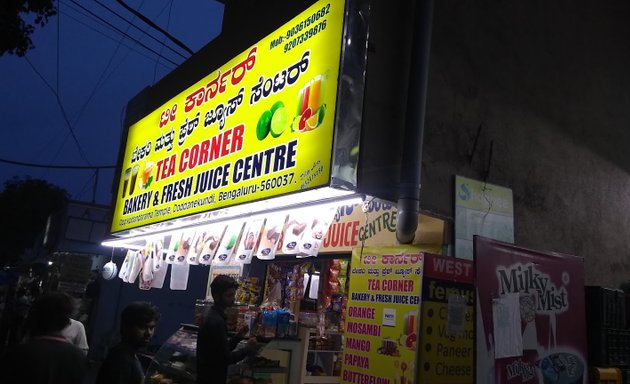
(279, 121)
(305, 116)
(311, 122)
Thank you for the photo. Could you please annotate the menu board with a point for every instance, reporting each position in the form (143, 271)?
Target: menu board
(530, 319)
(447, 336)
(381, 330)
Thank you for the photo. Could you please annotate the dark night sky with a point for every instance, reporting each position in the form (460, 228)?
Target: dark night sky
(95, 71)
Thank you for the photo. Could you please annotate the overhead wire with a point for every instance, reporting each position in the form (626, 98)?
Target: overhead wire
(155, 26)
(90, 15)
(35, 165)
(162, 44)
(58, 43)
(114, 39)
(102, 77)
(94, 90)
(93, 176)
(63, 110)
(123, 33)
(168, 23)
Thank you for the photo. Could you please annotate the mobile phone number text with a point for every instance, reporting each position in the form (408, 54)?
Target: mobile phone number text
(298, 38)
(305, 36)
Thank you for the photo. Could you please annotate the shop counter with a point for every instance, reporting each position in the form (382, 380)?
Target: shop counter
(176, 358)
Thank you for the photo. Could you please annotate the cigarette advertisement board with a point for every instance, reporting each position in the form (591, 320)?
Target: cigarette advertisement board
(446, 342)
(259, 126)
(530, 320)
(381, 329)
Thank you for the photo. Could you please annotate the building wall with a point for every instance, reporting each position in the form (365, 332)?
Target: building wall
(548, 82)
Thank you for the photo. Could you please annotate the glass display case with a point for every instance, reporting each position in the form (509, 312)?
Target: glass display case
(175, 361)
(322, 355)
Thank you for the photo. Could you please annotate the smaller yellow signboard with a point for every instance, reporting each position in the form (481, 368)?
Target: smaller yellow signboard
(381, 330)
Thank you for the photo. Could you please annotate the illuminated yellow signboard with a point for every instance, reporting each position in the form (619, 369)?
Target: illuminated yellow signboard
(257, 127)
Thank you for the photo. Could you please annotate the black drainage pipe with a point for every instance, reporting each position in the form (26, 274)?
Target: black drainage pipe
(411, 167)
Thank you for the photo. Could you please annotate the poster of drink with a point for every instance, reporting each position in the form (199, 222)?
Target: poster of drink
(381, 331)
(446, 325)
(530, 321)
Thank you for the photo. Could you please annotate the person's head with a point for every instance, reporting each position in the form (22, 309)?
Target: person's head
(223, 290)
(137, 323)
(50, 313)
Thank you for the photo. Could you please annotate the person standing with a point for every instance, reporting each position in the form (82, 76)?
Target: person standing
(75, 333)
(215, 351)
(137, 325)
(47, 357)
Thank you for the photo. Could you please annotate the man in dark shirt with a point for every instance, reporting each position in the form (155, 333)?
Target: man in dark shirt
(121, 366)
(215, 351)
(47, 357)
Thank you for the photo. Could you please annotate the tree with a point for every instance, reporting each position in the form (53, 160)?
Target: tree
(25, 205)
(16, 23)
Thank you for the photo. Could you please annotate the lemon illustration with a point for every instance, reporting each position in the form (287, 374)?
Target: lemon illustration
(279, 121)
(262, 129)
(278, 104)
(321, 111)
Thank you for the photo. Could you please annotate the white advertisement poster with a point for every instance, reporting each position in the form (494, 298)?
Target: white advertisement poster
(481, 209)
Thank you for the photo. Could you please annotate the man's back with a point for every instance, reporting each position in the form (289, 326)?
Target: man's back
(212, 349)
(121, 366)
(47, 359)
